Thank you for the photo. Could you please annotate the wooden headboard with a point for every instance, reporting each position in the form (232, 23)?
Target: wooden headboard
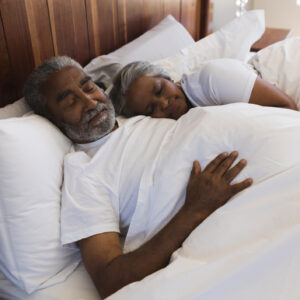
(34, 30)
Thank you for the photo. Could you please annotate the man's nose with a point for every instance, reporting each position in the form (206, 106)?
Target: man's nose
(88, 102)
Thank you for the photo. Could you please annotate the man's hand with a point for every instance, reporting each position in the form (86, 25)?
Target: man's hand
(207, 190)
(211, 188)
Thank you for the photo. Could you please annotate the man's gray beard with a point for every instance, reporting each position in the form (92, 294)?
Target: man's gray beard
(82, 133)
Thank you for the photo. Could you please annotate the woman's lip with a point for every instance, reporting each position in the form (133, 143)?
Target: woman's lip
(173, 108)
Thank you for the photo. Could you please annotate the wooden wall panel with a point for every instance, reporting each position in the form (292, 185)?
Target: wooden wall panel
(34, 30)
(137, 16)
(7, 87)
(102, 26)
(18, 41)
(30, 44)
(190, 15)
(40, 31)
(132, 16)
(69, 29)
(150, 19)
(122, 24)
(172, 7)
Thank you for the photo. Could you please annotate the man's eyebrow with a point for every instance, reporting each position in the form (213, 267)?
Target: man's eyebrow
(84, 80)
(63, 95)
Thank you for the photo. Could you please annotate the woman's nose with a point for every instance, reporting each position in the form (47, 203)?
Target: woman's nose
(162, 102)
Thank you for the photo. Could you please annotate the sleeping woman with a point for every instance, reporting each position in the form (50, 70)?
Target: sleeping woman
(141, 88)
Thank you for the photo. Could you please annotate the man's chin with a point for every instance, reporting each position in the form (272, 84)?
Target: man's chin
(88, 135)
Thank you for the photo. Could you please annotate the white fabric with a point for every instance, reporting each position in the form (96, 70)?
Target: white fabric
(163, 40)
(16, 109)
(219, 81)
(233, 40)
(280, 65)
(247, 249)
(100, 191)
(77, 286)
(31, 158)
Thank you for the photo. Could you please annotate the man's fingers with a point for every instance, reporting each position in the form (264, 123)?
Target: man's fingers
(226, 163)
(196, 167)
(233, 172)
(235, 188)
(216, 162)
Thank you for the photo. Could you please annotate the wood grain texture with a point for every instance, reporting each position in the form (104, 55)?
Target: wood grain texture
(172, 7)
(69, 29)
(133, 19)
(18, 41)
(102, 20)
(152, 12)
(33, 30)
(39, 29)
(190, 16)
(7, 87)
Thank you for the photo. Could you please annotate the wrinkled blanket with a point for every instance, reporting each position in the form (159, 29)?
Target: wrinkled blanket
(250, 247)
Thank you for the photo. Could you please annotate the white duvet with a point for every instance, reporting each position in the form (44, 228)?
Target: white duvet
(249, 248)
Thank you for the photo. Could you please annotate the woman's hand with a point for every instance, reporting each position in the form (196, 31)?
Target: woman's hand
(211, 188)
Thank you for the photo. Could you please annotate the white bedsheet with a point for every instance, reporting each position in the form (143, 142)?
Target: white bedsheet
(248, 249)
(78, 286)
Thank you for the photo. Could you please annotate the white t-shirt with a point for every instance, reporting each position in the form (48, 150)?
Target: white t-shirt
(219, 81)
(101, 180)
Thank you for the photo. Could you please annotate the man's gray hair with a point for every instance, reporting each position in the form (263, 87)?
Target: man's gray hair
(33, 87)
(125, 77)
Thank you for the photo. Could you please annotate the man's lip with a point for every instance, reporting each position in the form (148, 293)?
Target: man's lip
(97, 117)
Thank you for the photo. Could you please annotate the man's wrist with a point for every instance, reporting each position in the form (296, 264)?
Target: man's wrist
(193, 215)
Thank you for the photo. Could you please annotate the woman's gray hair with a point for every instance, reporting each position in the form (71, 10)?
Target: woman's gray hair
(125, 77)
(33, 87)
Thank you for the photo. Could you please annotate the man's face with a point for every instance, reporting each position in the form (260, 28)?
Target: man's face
(78, 106)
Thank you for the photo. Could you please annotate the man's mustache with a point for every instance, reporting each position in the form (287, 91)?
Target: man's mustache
(92, 113)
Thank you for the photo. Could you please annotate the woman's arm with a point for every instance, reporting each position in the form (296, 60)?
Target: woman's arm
(266, 94)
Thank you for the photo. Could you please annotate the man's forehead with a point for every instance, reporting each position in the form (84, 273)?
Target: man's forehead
(67, 74)
(62, 79)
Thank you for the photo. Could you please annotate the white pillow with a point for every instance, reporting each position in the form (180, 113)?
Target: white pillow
(161, 41)
(233, 40)
(280, 65)
(31, 159)
(16, 109)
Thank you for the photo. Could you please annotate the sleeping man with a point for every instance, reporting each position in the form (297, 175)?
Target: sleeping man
(133, 176)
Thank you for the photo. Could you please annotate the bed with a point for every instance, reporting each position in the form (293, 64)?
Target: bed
(104, 35)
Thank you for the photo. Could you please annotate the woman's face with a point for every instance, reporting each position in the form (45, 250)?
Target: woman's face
(156, 97)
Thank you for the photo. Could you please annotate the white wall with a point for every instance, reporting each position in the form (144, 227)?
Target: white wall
(224, 12)
(281, 14)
